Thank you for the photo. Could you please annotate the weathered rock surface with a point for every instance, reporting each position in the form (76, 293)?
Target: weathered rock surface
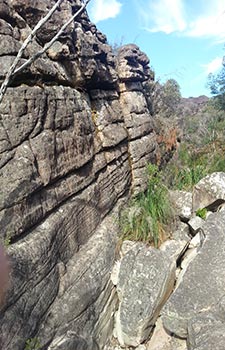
(181, 232)
(183, 203)
(146, 278)
(202, 285)
(132, 64)
(206, 331)
(76, 132)
(132, 70)
(161, 340)
(195, 224)
(209, 192)
(68, 290)
(69, 150)
(174, 249)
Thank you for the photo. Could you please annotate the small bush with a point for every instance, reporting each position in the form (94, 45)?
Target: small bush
(32, 344)
(7, 240)
(148, 213)
(201, 212)
(192, 164)
(186, 177)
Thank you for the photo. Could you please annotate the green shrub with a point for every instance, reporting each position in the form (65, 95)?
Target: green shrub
(192, 164)
(185, 178)
(148, 213)
(32, 344)
(7, 240)
(201, 212)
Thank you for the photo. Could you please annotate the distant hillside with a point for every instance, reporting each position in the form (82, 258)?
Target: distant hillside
(192, 105)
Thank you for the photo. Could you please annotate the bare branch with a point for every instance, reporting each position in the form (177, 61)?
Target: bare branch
(13, 71)
(23, 47)
(49, 44)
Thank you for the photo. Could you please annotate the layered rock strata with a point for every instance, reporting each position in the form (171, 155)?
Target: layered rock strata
(133, 70)
(71, 145)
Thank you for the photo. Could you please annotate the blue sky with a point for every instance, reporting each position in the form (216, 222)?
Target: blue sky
(184, 39)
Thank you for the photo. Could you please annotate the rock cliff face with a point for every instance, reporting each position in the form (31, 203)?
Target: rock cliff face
(75, 135)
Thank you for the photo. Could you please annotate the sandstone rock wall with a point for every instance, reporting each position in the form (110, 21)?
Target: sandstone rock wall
(75, 135)
(133, 69)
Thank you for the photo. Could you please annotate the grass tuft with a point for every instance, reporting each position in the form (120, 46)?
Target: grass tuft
(147, 215)
(193, 164)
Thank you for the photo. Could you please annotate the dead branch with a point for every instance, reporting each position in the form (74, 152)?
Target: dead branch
(13, 71)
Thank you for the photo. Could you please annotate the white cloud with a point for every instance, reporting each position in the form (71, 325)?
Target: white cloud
(188, 18)
(165, 15)
(213, 66)
(211, 24)
(101, 10)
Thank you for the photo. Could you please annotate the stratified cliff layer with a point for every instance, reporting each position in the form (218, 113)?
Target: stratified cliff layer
(75, 136)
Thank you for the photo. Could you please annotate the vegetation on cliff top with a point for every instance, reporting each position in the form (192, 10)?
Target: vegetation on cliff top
(216, 83)
(201, 151)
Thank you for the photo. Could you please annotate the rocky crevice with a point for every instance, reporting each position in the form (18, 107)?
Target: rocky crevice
(190, 314)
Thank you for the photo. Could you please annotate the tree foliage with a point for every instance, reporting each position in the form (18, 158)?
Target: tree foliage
(216, 84)
(172, 95)
(166, 98)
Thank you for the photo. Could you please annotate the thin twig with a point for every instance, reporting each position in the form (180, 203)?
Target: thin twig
(13, 71)
(49, 44)
(23, 47)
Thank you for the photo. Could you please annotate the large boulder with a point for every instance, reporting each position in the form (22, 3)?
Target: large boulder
(146, 278)
(202, 285)
(209, 192)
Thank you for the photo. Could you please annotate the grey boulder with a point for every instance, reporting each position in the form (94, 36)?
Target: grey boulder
(209, 192)
(202, 285)
(145, 281)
